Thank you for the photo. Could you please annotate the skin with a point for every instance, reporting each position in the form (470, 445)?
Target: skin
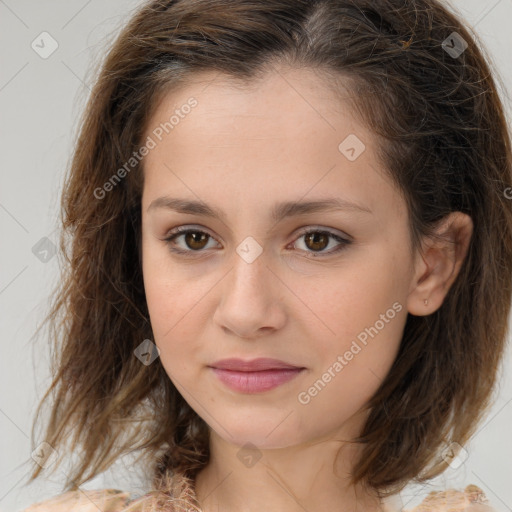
(242, 150)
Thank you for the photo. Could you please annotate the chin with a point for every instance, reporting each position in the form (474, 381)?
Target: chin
(259, 439)
(268, 431)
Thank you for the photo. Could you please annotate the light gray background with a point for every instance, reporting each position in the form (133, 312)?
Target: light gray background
(40, 101)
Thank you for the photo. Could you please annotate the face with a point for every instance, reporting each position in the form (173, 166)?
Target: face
(259, 273)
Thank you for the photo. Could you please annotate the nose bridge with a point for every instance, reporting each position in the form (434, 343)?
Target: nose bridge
(248, 302)
(249, 266)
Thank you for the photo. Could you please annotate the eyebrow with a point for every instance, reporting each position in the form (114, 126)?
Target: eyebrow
(279, 212)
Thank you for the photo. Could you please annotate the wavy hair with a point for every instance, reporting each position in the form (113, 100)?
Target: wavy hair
(442, 139)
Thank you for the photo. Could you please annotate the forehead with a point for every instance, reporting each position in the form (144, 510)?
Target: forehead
(288, 129)
(280, 96)
(283, 96)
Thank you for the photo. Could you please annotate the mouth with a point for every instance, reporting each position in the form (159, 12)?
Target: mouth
(255, 376)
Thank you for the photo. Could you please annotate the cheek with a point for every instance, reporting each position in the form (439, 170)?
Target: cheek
(176, 296)
(365, 311)
(359, 303)
(173, 333)
(170, 301)
(367, 317)
(375, 280)
(167, 292)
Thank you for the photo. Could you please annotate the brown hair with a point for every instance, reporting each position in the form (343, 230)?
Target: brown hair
(443, 140)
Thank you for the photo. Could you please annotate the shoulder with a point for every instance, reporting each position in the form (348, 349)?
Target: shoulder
(472, 499)
(175, 492)
(106, 500)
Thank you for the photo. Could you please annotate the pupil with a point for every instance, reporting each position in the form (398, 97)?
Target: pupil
(191, 239)
(318, 240)
(313, 237)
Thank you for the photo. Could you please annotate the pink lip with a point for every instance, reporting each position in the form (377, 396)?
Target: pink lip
(254, 376)
(253, 365)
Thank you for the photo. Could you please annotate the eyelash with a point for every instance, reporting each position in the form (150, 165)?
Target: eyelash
(187, 253)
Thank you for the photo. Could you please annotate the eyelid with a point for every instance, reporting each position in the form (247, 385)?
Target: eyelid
(186, 228)
(302, 231)
(343, 239)
(182, 230)
(316, 228)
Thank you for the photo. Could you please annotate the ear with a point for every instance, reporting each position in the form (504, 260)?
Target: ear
(438, 263)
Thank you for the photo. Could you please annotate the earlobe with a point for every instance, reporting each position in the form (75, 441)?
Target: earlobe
(439, 263)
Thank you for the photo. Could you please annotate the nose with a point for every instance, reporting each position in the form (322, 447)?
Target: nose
(252, 302)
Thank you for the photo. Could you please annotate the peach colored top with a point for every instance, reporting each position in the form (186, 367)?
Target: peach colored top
(180, 497)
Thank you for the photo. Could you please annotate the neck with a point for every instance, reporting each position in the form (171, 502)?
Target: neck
(293, 479)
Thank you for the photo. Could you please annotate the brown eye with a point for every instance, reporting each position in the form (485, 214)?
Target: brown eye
(185, 241)
(317, 241)
(191, 242)
(314, 243)
(196, 239)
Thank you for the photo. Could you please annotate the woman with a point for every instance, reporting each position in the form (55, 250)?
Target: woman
(283, 219)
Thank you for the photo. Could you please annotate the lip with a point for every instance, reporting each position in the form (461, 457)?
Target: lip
(254, 376)
(253, 365)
